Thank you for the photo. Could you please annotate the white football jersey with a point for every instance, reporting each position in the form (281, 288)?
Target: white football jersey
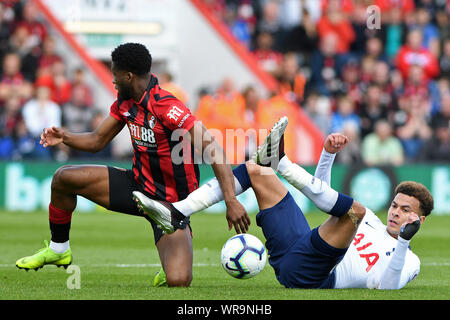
(369, 255)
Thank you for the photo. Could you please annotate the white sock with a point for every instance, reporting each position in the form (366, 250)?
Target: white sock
(204, 197)
(59, 247)
(293, 173)
(318, 191)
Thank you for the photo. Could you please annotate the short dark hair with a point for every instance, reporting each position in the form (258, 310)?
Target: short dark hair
(418, 191)
(132, 57)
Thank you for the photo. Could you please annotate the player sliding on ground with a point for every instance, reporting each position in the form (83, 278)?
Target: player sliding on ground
(151, 115)
(351, 249)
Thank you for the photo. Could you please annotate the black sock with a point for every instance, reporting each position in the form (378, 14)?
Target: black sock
(60, 232)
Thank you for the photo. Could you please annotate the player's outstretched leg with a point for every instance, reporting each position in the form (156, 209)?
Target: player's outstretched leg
(346, 214)
(270, 152)
(170, 216)
(91, 182)
(167, 215)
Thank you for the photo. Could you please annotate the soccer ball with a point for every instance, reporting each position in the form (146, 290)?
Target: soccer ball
(243, 256)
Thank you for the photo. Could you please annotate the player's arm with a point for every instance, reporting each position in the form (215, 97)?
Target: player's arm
(236, 214)
(90, 141)
(395, 275)
(334, 143)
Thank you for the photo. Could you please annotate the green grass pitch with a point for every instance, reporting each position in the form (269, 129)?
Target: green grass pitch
(117, 260)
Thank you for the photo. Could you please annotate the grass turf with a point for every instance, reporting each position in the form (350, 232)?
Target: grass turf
(117, 259)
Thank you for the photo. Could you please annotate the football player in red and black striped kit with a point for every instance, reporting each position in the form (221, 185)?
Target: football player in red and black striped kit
(152, 115)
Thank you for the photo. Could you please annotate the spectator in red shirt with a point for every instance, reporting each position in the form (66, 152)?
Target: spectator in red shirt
(413, 53)
(335, 21)
(406, 6)
(268, 59)
(61, 87)
(49, 55)
(36, 28)
(346, 6)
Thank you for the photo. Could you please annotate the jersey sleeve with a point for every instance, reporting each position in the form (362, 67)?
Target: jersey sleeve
(323, 169)
(173, 114)
(115, 112)
(411, 270)
(402, 277)
(403, 267)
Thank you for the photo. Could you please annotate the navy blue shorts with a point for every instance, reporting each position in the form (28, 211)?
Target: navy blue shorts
(299, 256)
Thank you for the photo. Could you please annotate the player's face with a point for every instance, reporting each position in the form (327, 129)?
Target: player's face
(122, 82)
(401, 208)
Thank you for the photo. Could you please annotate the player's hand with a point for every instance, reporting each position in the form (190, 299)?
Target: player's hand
(335, 142)
(237, 216)
(410, 227)
(51, 137)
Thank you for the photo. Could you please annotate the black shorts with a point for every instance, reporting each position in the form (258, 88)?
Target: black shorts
(121, 186)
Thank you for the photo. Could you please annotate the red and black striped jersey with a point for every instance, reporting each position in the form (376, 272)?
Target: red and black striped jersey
(151, 123)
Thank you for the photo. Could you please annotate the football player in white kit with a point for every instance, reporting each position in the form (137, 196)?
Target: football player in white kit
(352, 249)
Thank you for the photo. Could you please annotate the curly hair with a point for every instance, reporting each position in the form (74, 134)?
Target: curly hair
(132, 57)
(418, 191)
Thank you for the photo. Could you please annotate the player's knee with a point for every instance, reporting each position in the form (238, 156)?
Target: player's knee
(62, 177)
(179, 279)
(359, 210)
(255, 170)
(252, 168)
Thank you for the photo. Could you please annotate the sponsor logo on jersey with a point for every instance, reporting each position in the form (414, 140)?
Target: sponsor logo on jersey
(174, 113)
(141, 135)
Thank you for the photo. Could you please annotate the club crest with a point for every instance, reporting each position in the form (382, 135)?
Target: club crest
(151, 121)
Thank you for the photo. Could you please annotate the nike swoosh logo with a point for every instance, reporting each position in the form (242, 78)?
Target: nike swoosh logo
(369, 225)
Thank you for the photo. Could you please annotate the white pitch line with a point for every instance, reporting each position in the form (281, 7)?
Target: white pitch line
(127, 265)
(436, 264)
(148, 265)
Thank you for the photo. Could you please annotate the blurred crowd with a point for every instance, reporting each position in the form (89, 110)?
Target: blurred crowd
(36, 90)
(386, 88)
